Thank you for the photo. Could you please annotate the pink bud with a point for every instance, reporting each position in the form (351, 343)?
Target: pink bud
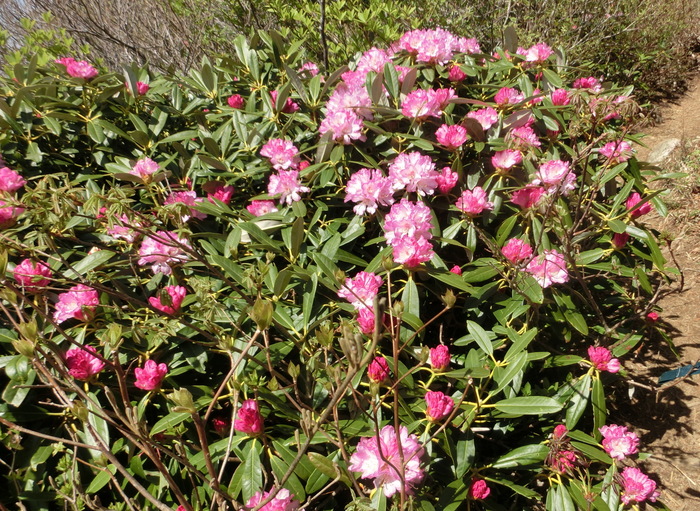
(456, 270)
(456, 74)
(438, 405)
(601, 358)
(652, 317)
(248, 419)
(150, 376)
(236, 101)
(440, 357)
(559, 431)
(378, 370)
(632, 202)
(142, 88)
(620, 239)
(479, 489)
(10, 181)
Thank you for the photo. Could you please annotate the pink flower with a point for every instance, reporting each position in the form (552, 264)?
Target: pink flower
(78, 302)
(189, 198)
(564, 461)
(456, 270)
(369, 189)
(468, 45)
(538, 53)
(236, 101)
(282, 501)
(523, 137)
(456, 74)
(286, 183)
(527, 197)
(434, 46)
(440, 357)
(78, 68)
(411, 251)
(451, 136)
(447, 180)
(438, 405)
(549, 268)
(415, 172)
(632, 202)
(82, 363)
(421, 104)
(516, 251)
(601, 358)
(361, 289)
(617, 152)
(150, 376)
(248, 419)
(508, 96)
(637, 486)
(378, 458)
(504, 160)
(33, 277)
(169, 300)
(163, 249)
(406, 218)
(560, 97)
(282, 153)
(289, 106)
(620, 239)
(556, 176)
(378, 370)
(308, 69)
(219, 191)
(345, 125)
(144, 168)
(365, 319)
(652, 317)
(123, 228)
(474, 202)
(8, 214)
(618, 442)
(261, 207)
(487, 117)
(142, 88)
(351, 97)
(10, 181)
(479, 489)
(590, 83)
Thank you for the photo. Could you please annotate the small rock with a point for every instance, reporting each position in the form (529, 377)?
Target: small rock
(664, 150)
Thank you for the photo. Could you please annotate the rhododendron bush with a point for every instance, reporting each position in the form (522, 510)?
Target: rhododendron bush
(411, 283)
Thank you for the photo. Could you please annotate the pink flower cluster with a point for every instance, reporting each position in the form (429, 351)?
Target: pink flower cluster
(548, 268)
(144, 168)
(407, 230)
(440, 358)
(555, 176)
(537, 53)
(517, 251)
(474, 202)
(78, 68)
(283, 155)
(10, 183)
(436, 46)
(617, 152)
(637, 486)
(507, 96)
(169, 300)
(248, 418)
(414, 172)
(162, 250)
(82, 363)
(150, 376)
(506, 159)
(618, 442)
(188, 198)
(421, 104)
(360, 292)
(32, 277)
(124, 228)
(601, 358)
(378, 458)
(452, 136)
(487, 117)
(282, 501)
(78, 302)
(218, 191)
(261, 207)
(368, 189)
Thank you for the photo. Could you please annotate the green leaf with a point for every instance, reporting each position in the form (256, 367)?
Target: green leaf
(528, 405)
(101, 479)
(411, 301)
(90, 262)
(504, 375)
(481, 337)
(169, 421)
(600, 413)
(577, 405)
(532, 454)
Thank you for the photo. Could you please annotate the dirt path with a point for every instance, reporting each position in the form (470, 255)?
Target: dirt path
(669, 416)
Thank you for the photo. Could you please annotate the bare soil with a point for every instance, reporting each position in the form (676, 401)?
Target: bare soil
(667, 417)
